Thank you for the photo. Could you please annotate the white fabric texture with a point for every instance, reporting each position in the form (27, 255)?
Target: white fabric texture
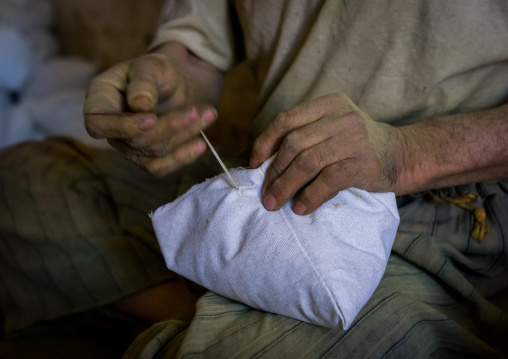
(320, 268)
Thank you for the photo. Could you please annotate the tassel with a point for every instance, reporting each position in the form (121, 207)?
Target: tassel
(466, 202)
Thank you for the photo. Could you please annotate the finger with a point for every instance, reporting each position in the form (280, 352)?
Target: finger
(269, 140)
(105, 108)
(119, 125)
(285, 122)
(105, 92)
(150, 78)
(293, 144)
(171, 131)
(333, 179)
(183, 155)
(302, 170)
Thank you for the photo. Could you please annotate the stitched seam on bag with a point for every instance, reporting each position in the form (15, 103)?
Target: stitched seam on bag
(318, 274)
(394, 212)
(261, 172)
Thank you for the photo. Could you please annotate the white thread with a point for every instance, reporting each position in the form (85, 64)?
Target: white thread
(218, 159)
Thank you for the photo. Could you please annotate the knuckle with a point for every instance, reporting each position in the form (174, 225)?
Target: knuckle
(294, 138)
(152, 148)
(187, 157)
(282, 121)
(309, 197)
(342, 99)
(331, 101)
(307, 161)
(315, 159)
(326, 154)
(280, 190)
(150, 61)
(340, 96)
(191, 131)
(161, 148)
(292, 143)
(346, 174)
(174, 122)
(329, 177)
(355, 123)
(314, 196)
(274, 171)
(260, 147)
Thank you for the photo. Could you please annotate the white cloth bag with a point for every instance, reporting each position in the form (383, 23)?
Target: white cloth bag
(320, 268)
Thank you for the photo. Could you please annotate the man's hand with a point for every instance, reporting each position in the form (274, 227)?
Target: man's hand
(152, 108)
(325, 146)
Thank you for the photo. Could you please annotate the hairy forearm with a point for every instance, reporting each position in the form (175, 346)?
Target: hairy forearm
(204, 82)
(454, 150)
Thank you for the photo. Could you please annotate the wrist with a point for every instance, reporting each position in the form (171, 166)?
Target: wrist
(454, 150)
(412, 175)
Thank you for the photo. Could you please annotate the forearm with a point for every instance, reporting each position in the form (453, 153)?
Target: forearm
(204, 82)
(454, 150)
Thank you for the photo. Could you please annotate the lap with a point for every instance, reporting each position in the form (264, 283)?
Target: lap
(75, 230)
(410, 312)
(442, 295)
(71, 215)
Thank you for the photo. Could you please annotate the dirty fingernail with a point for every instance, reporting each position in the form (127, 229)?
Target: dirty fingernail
(269, 202)
(146, 123)
(299, 208)
(199, 147)
(193, 115)
(142, 101)
(208, 116)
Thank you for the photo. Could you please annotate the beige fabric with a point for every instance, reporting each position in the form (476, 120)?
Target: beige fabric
(203, 26)
(399, 60)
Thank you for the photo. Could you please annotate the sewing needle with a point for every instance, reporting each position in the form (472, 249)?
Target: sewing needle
(218, 159)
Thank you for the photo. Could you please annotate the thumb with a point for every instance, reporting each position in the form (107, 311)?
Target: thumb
(143, 86)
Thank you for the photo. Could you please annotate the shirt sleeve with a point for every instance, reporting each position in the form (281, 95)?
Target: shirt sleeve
(205, 27)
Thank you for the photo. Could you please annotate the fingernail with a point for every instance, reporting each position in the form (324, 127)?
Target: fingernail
(193, 115)
(299, 208)
(146, 123)
(269, 202)
(208, 116)
(199, 147)
(142, 101)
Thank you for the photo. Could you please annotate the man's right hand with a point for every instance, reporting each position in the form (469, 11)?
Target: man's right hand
(152, 110)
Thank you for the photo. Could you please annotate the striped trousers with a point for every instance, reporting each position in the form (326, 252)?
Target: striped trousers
(75, 234)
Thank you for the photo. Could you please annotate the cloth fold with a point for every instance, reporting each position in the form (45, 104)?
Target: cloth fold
(321, 268)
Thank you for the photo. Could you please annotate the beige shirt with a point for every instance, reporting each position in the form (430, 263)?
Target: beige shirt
(398, 60)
